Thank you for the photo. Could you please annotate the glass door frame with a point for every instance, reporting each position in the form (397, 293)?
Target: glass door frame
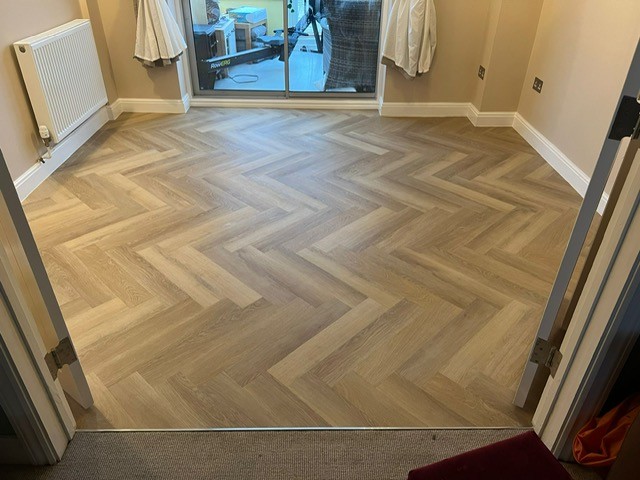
(193, 79)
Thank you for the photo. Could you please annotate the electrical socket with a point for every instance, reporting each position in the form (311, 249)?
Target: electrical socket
(537, 85)
(481, 72)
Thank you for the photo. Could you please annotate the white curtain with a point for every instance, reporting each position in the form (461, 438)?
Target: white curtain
(158, 38)
(410, 40)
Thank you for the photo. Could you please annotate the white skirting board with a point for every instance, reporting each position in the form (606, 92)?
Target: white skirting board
(558, 160)
(115, 109)
(148, 105)
(448, 109)
(547, 150)
(431, 109)
(489, 119)
(38, 173)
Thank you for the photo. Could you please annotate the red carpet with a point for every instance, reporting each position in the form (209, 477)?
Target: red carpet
(524, 457)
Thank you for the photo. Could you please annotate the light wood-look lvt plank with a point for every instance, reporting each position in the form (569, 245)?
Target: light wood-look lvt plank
(237, 268)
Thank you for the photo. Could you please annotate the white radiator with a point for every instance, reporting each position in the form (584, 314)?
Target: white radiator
(62, 74)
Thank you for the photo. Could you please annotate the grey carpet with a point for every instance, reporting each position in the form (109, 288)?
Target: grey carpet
(261, 454)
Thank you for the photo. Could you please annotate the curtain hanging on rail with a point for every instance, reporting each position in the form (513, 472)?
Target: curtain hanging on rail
(158, 38)
(410, 40)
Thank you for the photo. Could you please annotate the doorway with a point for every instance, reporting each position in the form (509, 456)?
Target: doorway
(328, 48)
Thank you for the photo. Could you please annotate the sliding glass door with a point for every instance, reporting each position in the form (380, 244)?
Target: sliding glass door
(273, 48)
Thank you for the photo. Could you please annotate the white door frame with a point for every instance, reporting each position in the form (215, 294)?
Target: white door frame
(26, 268)
(604, 327)
(593, 195)
(42, 433)
(31, 324)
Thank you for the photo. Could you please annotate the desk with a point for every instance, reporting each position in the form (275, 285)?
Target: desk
(246, 28)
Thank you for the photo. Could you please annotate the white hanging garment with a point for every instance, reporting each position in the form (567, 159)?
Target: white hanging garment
(410, 41)
(158, 38)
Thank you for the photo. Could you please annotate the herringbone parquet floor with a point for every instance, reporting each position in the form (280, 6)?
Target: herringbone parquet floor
(294, 268)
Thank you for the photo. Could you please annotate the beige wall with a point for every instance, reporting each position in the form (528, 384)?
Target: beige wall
(461, 33)
(511, 31)
(18, 132)
(582, 52)
(580, 48)
(491, 30)
(498, 34)
(131, 78)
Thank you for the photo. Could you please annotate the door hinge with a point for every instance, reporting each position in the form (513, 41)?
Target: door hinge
(547, 354)
(63, 354)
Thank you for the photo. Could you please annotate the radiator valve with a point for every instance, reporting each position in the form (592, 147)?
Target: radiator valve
(45, 135)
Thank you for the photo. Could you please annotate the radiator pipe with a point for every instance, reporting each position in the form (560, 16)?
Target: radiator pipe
(45, 135)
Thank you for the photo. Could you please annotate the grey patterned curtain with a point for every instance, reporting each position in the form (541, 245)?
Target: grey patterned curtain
(354, 28)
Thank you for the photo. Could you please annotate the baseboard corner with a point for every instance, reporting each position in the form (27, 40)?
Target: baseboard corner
(186, 102)
(114, 110)
(489, 119)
